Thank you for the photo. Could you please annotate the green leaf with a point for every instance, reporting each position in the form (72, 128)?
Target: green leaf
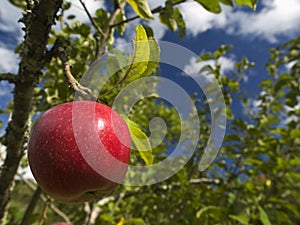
(153, 58)
(140, 140)
(141, 8)
(221, 51)
(79, 28)
(148, 30)
(240, 218)
(263, 216)
(19, 3)
(211, 5)
(145, 57)
(252, 161)
(250, 3)
(172, 18)
(166, 17)
(71, 17)
(205, 57)
(227, 2)
(180, 22)
(295, 133)
(233, 85)
(122, 27)
(294, 162)
(291, 98)
(140, 56)
(206, 208)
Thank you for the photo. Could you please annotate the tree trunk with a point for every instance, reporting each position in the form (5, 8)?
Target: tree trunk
(38, 22)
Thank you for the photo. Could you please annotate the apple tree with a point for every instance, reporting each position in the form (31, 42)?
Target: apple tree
(253, 180)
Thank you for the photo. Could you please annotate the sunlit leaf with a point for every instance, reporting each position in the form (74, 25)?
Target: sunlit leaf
(240, 218)
(153, 58)
(145, 57)
(206, 208)
(166, 16)
(140, 55)
(121, 222)
(227, 2)
(141, 8)
(295, 133)
(180, 22)
(263, 216)
(19, 3)
(140, 140)
(211, 5)
(250, 3)
(205, 57)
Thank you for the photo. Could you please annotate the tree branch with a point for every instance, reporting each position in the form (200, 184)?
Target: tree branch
(44, 199)
(38, 20)
(44, 214)
(11, 78)
(30, 208)
(154, 11)
(111, 21)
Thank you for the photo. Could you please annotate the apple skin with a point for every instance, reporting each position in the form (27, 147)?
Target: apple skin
(65, 136)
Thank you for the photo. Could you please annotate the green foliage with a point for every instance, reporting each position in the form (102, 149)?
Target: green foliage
(212, 6)
(19, 3)
(254, 180)
(140, 141)
(172, 18)
(145, 57)
(250, 3)
(141, 8)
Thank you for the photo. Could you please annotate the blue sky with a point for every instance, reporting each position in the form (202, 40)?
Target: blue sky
(252, 33)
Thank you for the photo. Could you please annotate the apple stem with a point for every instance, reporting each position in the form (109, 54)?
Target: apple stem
(84, 92)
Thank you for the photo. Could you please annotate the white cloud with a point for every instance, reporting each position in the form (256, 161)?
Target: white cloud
(5, 90)
(277, 18)
(11, 33)
(9, 16)
(193, 68)
(198, 19)
(9, 60)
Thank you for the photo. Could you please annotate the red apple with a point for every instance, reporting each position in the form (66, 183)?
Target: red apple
(79, 151)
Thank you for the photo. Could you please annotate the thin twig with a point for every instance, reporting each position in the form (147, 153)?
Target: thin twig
(98, 50)
(92, 19)
(88, 207)
(120, 198)
(44, 215)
